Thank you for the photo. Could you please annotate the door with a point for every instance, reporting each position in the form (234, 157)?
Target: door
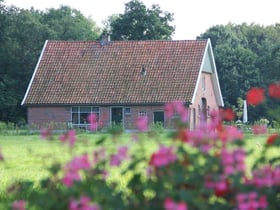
(116, 115)
(159, 117)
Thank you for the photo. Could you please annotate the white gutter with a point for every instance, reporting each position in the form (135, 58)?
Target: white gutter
(34, 73)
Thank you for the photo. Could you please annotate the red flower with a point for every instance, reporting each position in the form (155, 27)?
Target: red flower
(222, 188)
(255, 96)
(274, 90)
(271, 139)
(228, 114)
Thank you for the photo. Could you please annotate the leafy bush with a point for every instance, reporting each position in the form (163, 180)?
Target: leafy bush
(196, 169)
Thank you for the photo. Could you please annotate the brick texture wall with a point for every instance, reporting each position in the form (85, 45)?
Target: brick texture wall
(206, 91)
(56, 117)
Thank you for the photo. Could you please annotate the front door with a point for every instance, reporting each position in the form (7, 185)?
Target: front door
(159, 117)
(116, 115)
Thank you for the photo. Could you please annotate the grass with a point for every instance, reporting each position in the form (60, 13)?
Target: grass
(26, 156)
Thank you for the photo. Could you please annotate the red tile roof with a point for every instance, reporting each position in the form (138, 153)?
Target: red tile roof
(87, 72)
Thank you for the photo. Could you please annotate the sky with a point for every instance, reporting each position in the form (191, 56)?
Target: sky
(191, 17)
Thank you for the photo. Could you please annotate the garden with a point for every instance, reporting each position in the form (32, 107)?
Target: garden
(216, 166)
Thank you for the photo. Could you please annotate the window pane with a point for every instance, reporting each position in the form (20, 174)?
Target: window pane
(75, 118)
(85, 109)
(83, 118)
(95, 109)
(127, 110)
(75, 109)
(142, 113)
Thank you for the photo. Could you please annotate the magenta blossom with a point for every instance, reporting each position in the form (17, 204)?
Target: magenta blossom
(176, 108)
(93, 121)
(233, 161)
(246, 201)
(1, 155)
(72, 169)
(69, 137)
(169, 204)
(259, 129)
(46, 133)
(163, 157)
(83, 204)
(142, 123)
(19, 205)
(121, 155)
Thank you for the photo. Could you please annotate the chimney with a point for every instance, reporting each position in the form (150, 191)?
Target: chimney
(105, 39)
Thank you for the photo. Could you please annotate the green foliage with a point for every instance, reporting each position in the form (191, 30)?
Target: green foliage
(246, 56)
(141, 23)
(22, 36)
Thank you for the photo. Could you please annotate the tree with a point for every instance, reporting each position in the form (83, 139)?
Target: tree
(22, 36)
(141, 23)
(70, 24)
(246, 56)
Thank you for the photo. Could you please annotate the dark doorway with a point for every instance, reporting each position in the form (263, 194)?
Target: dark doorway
(116, 115)
(159, 117)
(204, 109)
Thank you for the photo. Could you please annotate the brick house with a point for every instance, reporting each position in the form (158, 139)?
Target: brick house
(120, 80)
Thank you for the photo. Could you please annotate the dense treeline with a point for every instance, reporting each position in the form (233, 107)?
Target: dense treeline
(22, 36)
(246, 55)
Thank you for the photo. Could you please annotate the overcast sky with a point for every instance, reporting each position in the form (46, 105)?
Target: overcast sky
(192, 17)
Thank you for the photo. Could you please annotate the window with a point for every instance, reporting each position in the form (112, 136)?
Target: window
(127, 111)
(80, 114)
(142, 113)
(203, 84)
(159, 118)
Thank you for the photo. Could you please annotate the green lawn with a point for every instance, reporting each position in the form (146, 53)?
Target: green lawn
(27, 155)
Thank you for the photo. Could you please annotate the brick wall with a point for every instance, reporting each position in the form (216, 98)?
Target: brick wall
(206, 91)
(58, 117)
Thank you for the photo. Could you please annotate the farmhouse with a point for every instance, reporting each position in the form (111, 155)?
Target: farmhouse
(121, 80)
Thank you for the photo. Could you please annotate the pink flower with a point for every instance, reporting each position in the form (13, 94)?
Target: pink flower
(117, 159)
(176, 108)
(93, 121)
(1, 156)
(70, 177)
(72, 169)
(83, 204)
(259, 129)
(163, 157)
(19, 205)
(169, 204)
(247, 201)
(219, 184)
(80, 162)
(99, 155)
(70, 136)
(168, 108)
(142, 123)
(230, 133)
(233, 161)
(46, 133)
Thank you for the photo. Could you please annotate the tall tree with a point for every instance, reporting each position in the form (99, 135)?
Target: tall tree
(22, 35)
(69, 24)
(141, 23)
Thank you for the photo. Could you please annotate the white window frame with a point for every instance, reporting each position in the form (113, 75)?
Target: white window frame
(142, 113)
(92, 109)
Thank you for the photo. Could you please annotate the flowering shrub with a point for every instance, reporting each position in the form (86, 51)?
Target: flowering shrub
(196, 169)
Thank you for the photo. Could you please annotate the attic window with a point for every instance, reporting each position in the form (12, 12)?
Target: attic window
(143, 71)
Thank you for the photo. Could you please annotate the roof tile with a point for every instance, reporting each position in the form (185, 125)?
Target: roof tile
(85, 72)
